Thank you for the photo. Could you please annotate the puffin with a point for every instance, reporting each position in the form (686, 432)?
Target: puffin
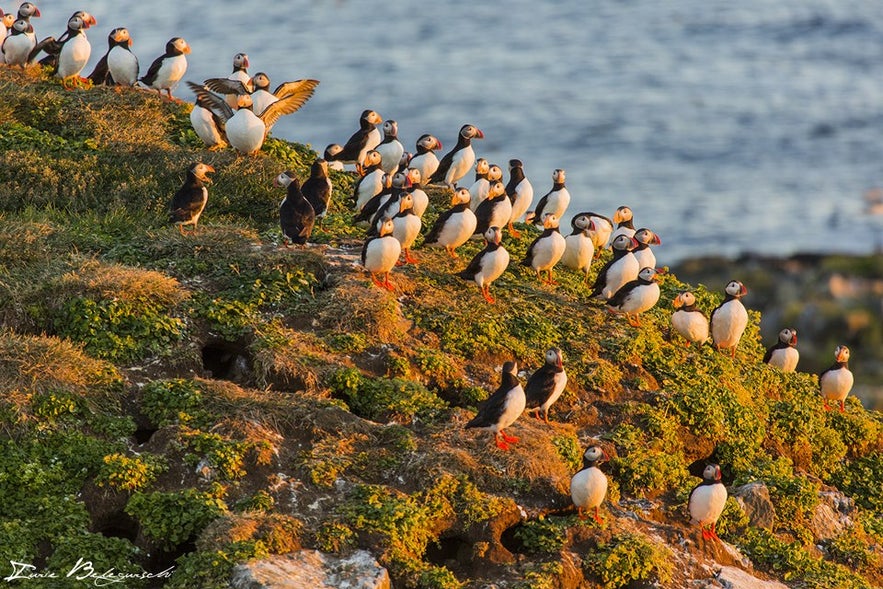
(362, 141)
(623, 218)
(74, 52)
(17, 44)
(245, 129)
(588, 487)
(119, 66)
(546, 250)
(784, 355)
(167, 70)
(481, 185)
(836, 382)
(390, 149)
(730, 318)
(621, 268)
(406, 227)
(208, 125)
(707, 501)
(602, 231)
(371, 183)
(555, 201)
(259, 87)
(421, 199)
(52, 46)
(21, 39)
(239, 74)
(579, 250)
(636, 296)
(645, 238)
(546, 384)
(688, 321)
(189, 201)
(453, 227)
(495, 210)
(457, 162)
(386, 204)
(502, 408)
(520, 192)
(296, 214)
(7, 19)
(380, 253)
(424, 158)
(488, 264)
(317, 188)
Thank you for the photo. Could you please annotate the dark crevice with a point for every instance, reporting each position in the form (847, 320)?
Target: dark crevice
(227, 361)
(143, 435)
(511, 542)
(118, 525)
(449, 551)
(162, 560)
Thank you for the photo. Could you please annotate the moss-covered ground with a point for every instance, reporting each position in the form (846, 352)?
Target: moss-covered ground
(197, 401)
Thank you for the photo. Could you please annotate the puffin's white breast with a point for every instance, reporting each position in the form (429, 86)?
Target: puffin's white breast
(557, 203)
(458, 228)
(461, 164)
(836, 384)
(406, 229)
(245, 131)
(707, 503)
(478, 190)
(382, 254)
(261, 99)
(513, 408)
(560, 383)
(785, 359)
(578, 252)
(371, 185)
(123, 66)
(588, 487)
(493, 264)
(523, 199)
(390, 155)
(421, 201)
(728, 322)
(692, 325)
(547, 251)
(74, 55)
(646, 258)
(170, 72)
(202, 122)
(641, 298)
(620, 272)
(427, 163)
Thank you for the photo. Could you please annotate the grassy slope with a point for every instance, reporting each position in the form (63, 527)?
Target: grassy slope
(294, 452)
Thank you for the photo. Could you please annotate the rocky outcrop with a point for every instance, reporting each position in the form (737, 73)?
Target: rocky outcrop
(314, 569)
(733, 578)
(754, 499)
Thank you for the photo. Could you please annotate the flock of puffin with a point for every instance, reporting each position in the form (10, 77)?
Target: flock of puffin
(239, 110)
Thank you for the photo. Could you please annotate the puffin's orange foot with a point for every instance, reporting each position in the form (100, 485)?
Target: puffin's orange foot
(508, 438)
(827, 407)
(377, 281)
(842, 408)
(410, 259)
(501, 444)
(597, 517)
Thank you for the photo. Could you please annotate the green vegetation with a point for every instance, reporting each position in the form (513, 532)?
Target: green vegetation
(341, 426)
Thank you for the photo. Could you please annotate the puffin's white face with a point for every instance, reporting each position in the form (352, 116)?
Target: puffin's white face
(240, 60)
(181, 45)
(624, 242)
(372, 158)
(593, 454)
(373, 118)
(684, 299)
(558, 176)
(386, 227)
(414, 176)
(841, 354)
(332, 150)
(406, 202)
(201, 171)
(400, 180)
(494, 173)
(481, 166)
(644, 235)
(497, 188)
(428, 142)
(788, 336)
(471, 132)
(405, 159)
(244, 101)
(622, 214)
(461, 197)
(736, 289)
(261, 81)
(88, 19)
(647, 274)
(712, 472)
(27, 10)
(76, 24)
(283, 179)
(550, 221)
(390, 128)
(583, 222)
(22, 26)
(8, 20)
(121, 35)
(553, 356)
(493, 235)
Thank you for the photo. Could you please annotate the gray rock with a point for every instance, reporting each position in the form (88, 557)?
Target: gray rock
(733, 578)
(754, 499)
(825, 523)
(313, 569)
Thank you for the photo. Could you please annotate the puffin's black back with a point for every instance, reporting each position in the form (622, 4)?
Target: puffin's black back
(296, 215)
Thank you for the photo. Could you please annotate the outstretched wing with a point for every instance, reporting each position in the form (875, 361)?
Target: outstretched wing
(286, 89)
(289, 104)
(226, 86)
(213, 102)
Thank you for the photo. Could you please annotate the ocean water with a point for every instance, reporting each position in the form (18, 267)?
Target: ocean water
(727, 127)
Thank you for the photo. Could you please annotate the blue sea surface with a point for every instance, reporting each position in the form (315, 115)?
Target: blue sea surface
(728, 127)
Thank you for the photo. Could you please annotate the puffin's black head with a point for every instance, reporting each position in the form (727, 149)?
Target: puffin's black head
(332, 150)
(27, 10)
(648, 274)
(286, 178)
(496, 189)
(788, 336)
(510, 368)
(554, 358)
(515, 164)
(712, 473)
(240, 62)
(559, 176)
(319, 169)
(406, 201)
(494, 173)
(644, 235)
(405, 159)
(414, 176)
(684, 299)
(550, 221)
(428, 142)
(623, 214)
(200, 171)
(88, 19)
(400, 180)
(370, 116)
(260, 81)
(481, 166)
(21, 27)
(593, 456)
(177, 46)
(493, 235)
(582, 223)
(841, 354)
(471, 132)
(119, 37)
(385, 227)
(8, 20)
(624, 243)
(390, 128)
(736, 289)
(372, 158)
(75, 24)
